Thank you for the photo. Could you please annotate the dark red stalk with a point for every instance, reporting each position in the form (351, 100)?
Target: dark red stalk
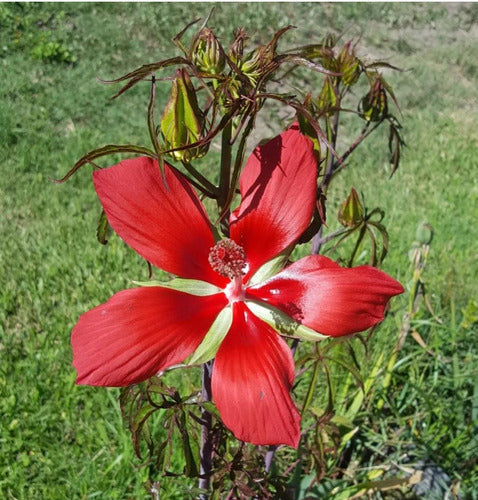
(205, 453)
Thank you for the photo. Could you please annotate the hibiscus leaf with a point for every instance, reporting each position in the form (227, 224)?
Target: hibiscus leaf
(144, 71)
(303, 61)
(312, 385)
(282, 323)
(103, 151)
(211, 408)
(193, 287)
(348, 366)
(211, 342)
(191, 469)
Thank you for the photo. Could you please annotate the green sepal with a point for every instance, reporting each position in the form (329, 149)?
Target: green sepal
(351, 212)
(181, 123)
(305, 127)
(193, 287)
(208, 348)
(269, 269)
(282, 323)
(328, 99)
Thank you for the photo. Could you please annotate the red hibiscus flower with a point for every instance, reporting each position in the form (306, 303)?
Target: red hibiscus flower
(226, 303)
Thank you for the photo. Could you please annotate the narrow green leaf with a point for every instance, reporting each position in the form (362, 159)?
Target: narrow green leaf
(348, 366)
(103, 151)
(211, 408)
(282, 323)
(142, 72)
(211, 342)
(303, 61)
(310, 390)
(191, 469)
(152, 127)
(354, 408)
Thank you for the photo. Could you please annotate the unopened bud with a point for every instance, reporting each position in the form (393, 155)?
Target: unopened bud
(182, 120)
(424, 234)
(373, 105)
(349, 65)
(207, 53)
(351, 211)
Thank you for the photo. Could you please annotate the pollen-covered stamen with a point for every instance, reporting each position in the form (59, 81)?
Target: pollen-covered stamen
(228, 259)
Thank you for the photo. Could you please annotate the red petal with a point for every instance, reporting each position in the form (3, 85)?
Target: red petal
(278, 188)
(328, 298)
(139, 332)
(165, 224)
(252, 376)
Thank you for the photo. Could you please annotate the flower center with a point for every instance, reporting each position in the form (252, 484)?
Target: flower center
(228, 259)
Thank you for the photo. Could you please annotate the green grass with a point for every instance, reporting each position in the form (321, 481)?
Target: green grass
(61, 441)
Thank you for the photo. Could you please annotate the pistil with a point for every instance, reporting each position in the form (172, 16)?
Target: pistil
(235, 291)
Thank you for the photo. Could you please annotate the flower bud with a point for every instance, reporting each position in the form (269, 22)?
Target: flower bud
(351, 211)
(328, 98)
(424, 234)
(207, 53)
(255, 63)
(349, 65)
(182, 120)
(236, 50)
(373, 105)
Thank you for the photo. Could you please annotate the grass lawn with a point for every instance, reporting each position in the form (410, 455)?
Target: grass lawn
(60, 441)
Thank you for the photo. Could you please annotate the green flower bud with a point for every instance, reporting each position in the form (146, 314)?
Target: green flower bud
(424, 234)
(349, 65)
(351, 211)
(182, 120)
(374, 105)
(207, 53)
(328, 97)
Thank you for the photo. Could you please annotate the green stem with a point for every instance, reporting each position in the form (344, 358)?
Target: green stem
(226, 161)
(312, 384)
(357, 244)
(238, 162)
(332, 132)
(210, 187)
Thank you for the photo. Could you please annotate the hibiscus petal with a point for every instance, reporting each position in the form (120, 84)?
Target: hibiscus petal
(278, 189)
(139, 332)
(252, 376)
(165, 224)
(328, 298)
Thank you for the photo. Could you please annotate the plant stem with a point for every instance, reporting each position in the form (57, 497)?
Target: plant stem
(205, 452)
(332, 132)
(213, 190)
(269, 458)
(226, 161)
(357, 245)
